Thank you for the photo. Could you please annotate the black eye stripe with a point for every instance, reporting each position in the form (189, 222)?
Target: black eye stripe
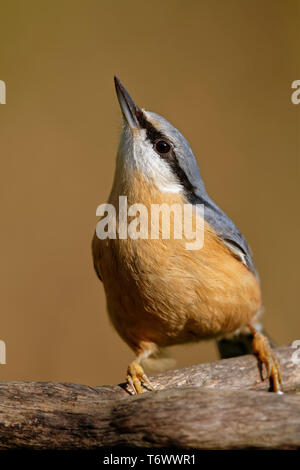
(179, 172)
(170, 157)
(152, 134)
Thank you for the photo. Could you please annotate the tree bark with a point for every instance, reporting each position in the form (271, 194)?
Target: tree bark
(221, 405)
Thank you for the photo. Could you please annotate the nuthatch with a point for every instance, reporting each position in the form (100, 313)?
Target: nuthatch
(158, 292)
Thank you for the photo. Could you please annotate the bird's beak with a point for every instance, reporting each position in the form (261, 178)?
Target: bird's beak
(128, 107)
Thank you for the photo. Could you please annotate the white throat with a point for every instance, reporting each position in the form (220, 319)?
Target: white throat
(137, 153)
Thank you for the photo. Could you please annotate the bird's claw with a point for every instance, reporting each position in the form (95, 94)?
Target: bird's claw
(137, 380)
(265, 354)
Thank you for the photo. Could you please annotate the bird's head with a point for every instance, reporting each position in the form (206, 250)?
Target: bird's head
(152, 146)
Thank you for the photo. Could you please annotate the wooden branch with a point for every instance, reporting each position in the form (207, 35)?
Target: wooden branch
(221, 405)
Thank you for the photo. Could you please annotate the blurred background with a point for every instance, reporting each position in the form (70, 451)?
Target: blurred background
(219, 71)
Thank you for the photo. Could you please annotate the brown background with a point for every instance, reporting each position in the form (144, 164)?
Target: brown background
(221, 71)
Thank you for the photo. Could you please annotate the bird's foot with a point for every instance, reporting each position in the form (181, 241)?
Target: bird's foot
(137, 380)
(262, 348)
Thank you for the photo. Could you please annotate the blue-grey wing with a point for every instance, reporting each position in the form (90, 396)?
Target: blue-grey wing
(227, 231)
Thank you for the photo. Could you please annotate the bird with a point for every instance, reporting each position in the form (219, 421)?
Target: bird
(159, 293)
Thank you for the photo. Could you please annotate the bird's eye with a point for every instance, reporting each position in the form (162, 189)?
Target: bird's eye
(161, 146)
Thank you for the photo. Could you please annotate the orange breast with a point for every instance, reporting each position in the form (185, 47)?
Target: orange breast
(158, 291)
